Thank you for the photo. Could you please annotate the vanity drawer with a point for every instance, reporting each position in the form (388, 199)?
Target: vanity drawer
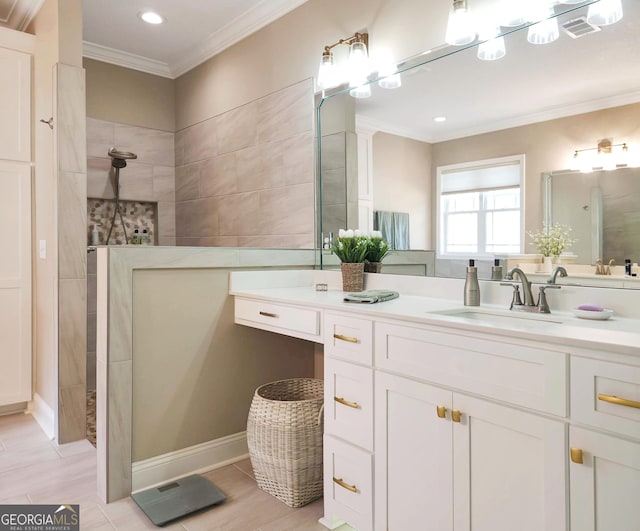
(348, 338)
(348, 410)
(606, 395)
(530, 377)
(348, 484)
(289, 320)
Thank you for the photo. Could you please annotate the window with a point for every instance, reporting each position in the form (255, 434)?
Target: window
(480, 207)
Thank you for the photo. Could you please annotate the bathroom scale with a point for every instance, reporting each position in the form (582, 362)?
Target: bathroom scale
(177, 499)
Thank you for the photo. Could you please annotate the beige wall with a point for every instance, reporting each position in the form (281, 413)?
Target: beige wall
(118, 94)
(402, 183)
(45, 28)
(194, 370)
(245, 178)
(547, 146)
(289, 50)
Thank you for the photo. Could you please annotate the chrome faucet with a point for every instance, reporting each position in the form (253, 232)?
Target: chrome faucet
(526, 284)
(557, 271)
(542, 306)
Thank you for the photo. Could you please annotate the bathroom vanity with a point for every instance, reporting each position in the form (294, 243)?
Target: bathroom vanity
(443, 417)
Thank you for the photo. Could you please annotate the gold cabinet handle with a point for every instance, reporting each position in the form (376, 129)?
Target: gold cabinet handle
(619, 401)
(346, 338)
(350, 488)
(576, 455)
(344, 402)
(456, 415)
(267, 314)
(442, 412)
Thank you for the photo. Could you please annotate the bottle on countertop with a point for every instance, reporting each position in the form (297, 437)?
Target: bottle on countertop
(135, 239)
(95, 235)
(496, 270)
(634, 269)
(144, 238)
(627, 267)
(471, 286)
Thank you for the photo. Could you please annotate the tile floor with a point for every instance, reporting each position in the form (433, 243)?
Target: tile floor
(36, 470)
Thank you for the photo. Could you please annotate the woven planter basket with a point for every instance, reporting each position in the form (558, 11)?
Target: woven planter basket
(284, 435)
(352, 276)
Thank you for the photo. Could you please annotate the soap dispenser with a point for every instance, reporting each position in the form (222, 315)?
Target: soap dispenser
(496, 270)
(471, 286)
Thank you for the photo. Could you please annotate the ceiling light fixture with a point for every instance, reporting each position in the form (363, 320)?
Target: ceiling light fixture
(440, 119)
(151, 18)
(540, 15)
(606, 156)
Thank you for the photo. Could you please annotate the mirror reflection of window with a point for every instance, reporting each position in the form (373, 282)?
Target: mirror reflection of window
(480, 208)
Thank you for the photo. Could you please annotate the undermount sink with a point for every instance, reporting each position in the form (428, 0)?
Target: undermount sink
(500, 318)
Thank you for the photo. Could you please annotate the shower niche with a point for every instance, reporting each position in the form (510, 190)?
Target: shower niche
(135, 215)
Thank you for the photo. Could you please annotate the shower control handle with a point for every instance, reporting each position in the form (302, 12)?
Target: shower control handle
(49, 122)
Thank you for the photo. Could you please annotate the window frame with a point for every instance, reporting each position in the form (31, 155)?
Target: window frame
(441, 171)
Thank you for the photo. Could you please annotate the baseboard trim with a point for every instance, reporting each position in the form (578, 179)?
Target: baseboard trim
(193, 460)
(42, 412)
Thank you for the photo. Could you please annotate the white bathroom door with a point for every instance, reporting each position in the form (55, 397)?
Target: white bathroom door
(15, 282)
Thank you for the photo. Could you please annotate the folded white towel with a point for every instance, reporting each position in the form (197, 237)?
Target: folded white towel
(371, 297)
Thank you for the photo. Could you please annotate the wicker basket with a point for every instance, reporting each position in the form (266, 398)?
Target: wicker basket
(284, 434)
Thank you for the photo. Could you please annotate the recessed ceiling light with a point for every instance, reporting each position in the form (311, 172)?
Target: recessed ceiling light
(440, 119)
(151, 18)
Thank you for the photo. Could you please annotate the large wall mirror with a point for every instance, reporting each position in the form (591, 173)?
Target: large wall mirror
(540, 102)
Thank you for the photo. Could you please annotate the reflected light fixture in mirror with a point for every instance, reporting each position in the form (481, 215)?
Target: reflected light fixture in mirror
(604, 12)
(606, 156)
(546, 30)
(464, 25)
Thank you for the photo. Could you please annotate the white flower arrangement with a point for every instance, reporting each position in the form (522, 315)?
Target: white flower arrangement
(353, 246)
(552, 241)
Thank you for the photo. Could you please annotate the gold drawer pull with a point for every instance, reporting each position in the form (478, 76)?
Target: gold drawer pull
(267, 314)
(346, 338)
(619, 401)
(456, 415)
(442, 412)
(344, 402)
(340, 481)
(576, 455)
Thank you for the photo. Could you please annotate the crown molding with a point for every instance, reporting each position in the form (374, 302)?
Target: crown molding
(551, 114)
(251, 21)
(21, 13)
(371, 126)
(125, 59)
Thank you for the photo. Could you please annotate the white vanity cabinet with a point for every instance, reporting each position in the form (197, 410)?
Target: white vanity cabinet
(348, 414)
(458, 462)
(605, 468)
(448, 428)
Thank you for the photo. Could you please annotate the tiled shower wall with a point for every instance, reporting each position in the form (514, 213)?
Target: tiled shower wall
(148, 178)
(245, 178)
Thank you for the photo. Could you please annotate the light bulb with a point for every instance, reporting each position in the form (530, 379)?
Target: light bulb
(361, 91)
(623, 157)
(388, 76)
(494, 47)
(545, 31)
(460, 29)
(359, 64)
(604, 12)
(151, 18)
(514, 13)
(574, 162)
(327, 74)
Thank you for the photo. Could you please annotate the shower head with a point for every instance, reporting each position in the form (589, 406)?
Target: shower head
(119, 158)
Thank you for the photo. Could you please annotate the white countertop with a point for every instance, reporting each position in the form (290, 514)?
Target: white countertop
(619, 335)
